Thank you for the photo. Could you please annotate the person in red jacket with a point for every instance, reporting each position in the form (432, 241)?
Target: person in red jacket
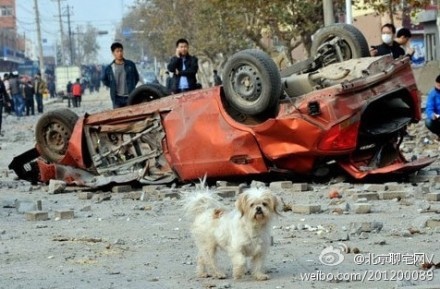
(76, 92)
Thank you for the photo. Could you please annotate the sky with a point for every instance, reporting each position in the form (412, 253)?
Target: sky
(105, 15)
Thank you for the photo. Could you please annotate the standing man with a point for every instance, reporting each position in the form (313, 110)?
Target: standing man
(69, 93)
(216, 78)
(9, 104)
(388, 46)
(403, 38)
(121, 76)
(3, 99)
(51, 87)
(184, 68)
(40, 88)
(77, 93)
(432, 110)
(15, 88)
(28, 92)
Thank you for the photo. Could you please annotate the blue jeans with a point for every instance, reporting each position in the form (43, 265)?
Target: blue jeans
(120, 101)
(18, 104)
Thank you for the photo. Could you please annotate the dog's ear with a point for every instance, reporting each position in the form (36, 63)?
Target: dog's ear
(275, 204)
(241, 203)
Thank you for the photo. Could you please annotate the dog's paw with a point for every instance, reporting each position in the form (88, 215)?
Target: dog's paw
(238, 275)
(203, 275)
(238, 272)
(220, 275)
(261, 276)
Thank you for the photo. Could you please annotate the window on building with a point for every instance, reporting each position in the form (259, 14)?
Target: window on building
(6, 11)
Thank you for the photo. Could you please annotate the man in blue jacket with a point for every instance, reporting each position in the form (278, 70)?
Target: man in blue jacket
(432, 110)
(121, 76)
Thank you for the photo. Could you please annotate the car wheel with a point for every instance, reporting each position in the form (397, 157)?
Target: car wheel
(53, 131)
(252, 82)
(146, 93)
(352, 43)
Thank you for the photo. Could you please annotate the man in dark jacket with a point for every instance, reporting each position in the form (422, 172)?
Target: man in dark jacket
(184, 68)
(3, 100)
(121, 76)
(14, 84)
(28, 92)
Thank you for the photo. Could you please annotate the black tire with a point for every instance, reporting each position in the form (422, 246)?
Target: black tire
(252, 82)
(354, 44)
(147, 92)
(53, 132)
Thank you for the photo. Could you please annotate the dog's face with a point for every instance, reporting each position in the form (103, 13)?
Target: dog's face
(257, 205)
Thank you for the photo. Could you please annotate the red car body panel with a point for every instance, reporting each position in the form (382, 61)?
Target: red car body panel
(202, 138)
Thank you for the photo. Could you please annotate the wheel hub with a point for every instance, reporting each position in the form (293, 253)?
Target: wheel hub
(55, 136)
(247, 83)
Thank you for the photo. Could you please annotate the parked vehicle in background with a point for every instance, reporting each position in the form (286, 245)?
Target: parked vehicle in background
(64, 74)
(149, 77)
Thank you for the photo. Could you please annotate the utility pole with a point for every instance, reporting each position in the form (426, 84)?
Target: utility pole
(40, 44)
(72, 56)
(63, 60)
(329, 15)
(348, 12)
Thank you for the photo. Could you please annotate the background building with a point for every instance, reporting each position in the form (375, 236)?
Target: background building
(12, 45)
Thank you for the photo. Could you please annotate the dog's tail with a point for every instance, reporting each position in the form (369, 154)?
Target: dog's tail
(200, 201)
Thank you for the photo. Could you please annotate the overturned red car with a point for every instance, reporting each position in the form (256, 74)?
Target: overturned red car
(339, 106)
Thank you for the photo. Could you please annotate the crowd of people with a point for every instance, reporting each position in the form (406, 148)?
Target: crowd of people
(19, 94)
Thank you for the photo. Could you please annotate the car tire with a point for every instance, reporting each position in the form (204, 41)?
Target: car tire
(252, 82)
(146, 93)
(354, 43)
(53, 132)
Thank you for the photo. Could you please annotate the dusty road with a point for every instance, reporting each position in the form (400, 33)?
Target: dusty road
(117, 240)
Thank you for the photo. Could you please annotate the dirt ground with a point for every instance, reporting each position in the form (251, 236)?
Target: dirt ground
(117, 240)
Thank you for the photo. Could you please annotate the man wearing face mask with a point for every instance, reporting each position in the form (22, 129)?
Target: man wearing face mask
(432, 110)
(388, 46)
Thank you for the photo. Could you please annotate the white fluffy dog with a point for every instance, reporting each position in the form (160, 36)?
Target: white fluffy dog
(243, 232)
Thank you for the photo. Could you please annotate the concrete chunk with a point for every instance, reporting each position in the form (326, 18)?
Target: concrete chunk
(374, 187)
(103, 197)
(56, 187)
(301, 187)
(134, 195)
(122, 189)
(85, 195)
(433, 197)
(229, 192)
(64, 215)
(394, 187)
(37, 216)
(170, 194)
(366, 195)
(357, 228)
(390, 195)
(433, 223)
(282, 185)
(306, 209)
(362, 208)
